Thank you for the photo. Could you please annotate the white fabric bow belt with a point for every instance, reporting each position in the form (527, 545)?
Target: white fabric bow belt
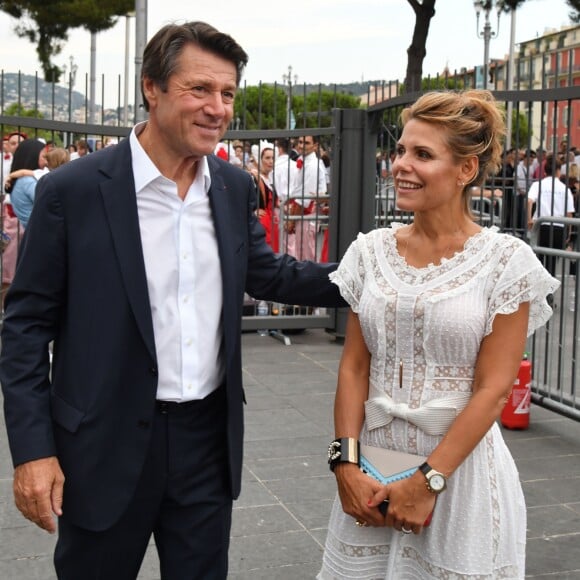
(434, 417)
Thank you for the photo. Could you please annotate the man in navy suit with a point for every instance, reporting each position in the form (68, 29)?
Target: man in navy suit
(135, 264)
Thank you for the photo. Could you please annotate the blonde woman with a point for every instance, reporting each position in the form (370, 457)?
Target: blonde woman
(440, 311)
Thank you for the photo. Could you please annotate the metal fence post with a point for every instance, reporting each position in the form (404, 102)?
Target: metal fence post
(353, 186)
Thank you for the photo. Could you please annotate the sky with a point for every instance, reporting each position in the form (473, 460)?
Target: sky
(327, 41)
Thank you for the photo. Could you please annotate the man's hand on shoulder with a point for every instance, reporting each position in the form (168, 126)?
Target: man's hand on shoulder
(38, 487)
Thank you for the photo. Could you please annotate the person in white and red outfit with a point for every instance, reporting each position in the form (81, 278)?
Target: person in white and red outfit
(9, 145)
(311, 182)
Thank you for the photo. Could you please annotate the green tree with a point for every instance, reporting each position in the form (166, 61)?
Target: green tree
(574, 13)
(315, 110)
(520, 129)
(266, 107)
(46, 23)
(439, 83)
(261, 107)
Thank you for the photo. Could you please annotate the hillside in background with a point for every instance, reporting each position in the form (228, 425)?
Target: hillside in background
(32, 91)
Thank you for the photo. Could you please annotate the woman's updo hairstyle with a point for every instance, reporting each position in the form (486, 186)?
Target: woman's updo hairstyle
(473, 123)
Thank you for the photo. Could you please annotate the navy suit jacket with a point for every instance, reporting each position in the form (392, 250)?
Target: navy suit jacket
(81, 282)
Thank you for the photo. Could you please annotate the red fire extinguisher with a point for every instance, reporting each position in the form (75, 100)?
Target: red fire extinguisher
(516, 413)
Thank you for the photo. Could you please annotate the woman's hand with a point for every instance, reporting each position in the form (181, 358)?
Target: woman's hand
(410, 503)
(356, 490)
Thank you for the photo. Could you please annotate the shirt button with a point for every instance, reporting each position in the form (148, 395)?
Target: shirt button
(153, 371)
(188, 342)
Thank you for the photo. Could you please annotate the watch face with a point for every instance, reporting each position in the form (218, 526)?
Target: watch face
(437, 482)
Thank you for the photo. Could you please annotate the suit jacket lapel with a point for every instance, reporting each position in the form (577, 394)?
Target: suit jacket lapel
(121, 208)
(222, 212)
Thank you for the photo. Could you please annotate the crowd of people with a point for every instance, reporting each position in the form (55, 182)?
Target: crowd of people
(292, 177)
(134, 265)
(24, 161)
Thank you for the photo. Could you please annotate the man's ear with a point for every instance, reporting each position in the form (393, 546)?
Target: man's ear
(150, 90)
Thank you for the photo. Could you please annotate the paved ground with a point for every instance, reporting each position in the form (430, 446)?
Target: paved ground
(280, 520)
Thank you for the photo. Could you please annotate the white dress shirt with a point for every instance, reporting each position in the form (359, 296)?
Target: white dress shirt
(183, 278)
(311, 179)
(552, 198)
(6, 164)
(284, 177)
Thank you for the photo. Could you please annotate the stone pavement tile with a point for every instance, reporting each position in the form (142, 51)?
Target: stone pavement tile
(319, 408)
(567, 429)
(265, 400)
(291, 572)
(565, 466)
(263, 520)
(297, 446)
(150, 567)
(264, 361)
(10, 517)
(551, 491)
(539, 448)
(287, 468)
(305, 382)
(33, 568)
(545, 521)
(303, 489)
(279, 424)
(248, 380)
(254, 493)
(319, 535)
(6, 468)
(312, 514)
(274, 367)
(272, 551)
(556, 555)
(23, 542)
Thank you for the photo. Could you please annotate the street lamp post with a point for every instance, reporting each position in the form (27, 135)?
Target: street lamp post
(140, 42)
(486, 33)
(288, 78)
(128, 16)
(93, 79)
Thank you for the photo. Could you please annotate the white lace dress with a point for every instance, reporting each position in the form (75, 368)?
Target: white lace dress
(434, 319)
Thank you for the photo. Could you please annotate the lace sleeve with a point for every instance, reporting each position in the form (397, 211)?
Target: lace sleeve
(349, 276)
(521, 278)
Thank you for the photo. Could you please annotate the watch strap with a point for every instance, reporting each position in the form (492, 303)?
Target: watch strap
(429, 472)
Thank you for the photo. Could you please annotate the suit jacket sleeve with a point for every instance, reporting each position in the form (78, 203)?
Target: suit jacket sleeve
(33, 311)
(282, 278)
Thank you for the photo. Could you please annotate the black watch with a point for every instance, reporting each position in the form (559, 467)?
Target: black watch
(343, 450)
(436, 481)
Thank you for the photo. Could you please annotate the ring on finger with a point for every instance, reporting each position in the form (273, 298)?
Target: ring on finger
(360, 524)
(405, 530)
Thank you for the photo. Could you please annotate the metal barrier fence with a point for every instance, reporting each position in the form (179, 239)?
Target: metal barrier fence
(358, 195)
(297, 219)
(556, 346)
